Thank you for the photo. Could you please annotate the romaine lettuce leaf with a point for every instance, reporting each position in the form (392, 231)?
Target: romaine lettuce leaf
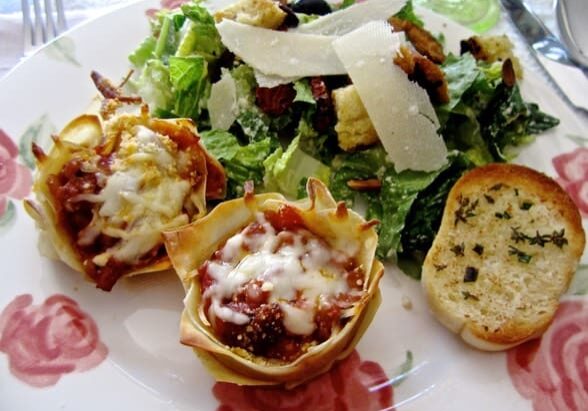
(144, 52)
(163, 40)
(201, 37)
(286, 170)
(167, 38)
(407, 13)
(397, 195)
(323, 146)
(424, 218)
(185, 61)
(408, 205)
(191, 86)
(254, 123)
(508, 122)
(485, 118)
(460, 74)
(303, 92)
(364, 164)
(245, 83)
(241, 163)
(154, 85)
(346, 3)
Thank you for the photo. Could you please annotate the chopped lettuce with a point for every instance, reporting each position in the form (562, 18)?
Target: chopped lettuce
(460, 73)
(189, 79)
(241, 163)
(144, 52)
(245, 83)
(407, 13)
(364, 164)
(155, 86)
(508, 122)
(254, 123)
(321, 146)
(303, 92)
(396, 197)
(345, 3)
(286, 170)
(484, 121)
(168, 36)
(172, 66)
(424, 218)
(201, 37)
(408, 205)
(485, 118)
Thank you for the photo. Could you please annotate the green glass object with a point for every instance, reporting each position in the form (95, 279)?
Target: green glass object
(479, 15)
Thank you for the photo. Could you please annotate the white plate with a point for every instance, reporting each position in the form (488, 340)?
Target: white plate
(141, 365)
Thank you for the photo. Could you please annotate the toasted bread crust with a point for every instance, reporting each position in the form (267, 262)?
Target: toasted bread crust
(519, 236)
(546, 187)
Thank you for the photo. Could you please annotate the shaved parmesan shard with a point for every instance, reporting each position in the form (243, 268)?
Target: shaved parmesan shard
(280, 53)
(222, 103)
(400, 110)
(346, 20)
(269, 81)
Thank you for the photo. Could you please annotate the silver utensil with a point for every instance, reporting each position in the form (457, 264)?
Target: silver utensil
(41, 22)
(571, 19)
(567, 73)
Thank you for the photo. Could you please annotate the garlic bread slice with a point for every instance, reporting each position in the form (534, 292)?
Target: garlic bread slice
(509, 243)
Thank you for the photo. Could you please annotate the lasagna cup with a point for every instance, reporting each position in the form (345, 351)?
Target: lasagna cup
(108, 188)
(276, 291)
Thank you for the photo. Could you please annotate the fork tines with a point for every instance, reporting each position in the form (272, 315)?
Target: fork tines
(43, 23)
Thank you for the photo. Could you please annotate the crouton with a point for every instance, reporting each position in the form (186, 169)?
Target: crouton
(354, 127)
(259, 13)
(492, 49)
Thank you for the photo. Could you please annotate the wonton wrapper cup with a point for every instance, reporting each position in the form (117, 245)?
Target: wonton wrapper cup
(189, 247)
(80, 136)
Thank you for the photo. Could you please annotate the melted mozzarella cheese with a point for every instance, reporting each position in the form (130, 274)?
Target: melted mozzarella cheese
(227, 315)
(299, 268)
(142, 197)
(298, 320)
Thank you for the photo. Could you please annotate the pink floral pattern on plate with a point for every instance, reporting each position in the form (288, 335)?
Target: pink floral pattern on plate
(45, 342)
(15, 179)
(351, 385)
(552, 372)
(572, 170)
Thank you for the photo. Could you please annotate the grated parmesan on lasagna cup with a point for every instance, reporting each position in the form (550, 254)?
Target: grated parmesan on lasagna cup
(108, 187)
(276, 291)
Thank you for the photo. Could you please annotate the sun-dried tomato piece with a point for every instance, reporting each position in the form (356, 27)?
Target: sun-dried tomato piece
(275, 101)
(325, 113)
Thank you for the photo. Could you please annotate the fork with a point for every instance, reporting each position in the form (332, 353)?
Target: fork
(46, 23)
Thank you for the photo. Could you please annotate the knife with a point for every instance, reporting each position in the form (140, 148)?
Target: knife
(571, 20)
(567, 74)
